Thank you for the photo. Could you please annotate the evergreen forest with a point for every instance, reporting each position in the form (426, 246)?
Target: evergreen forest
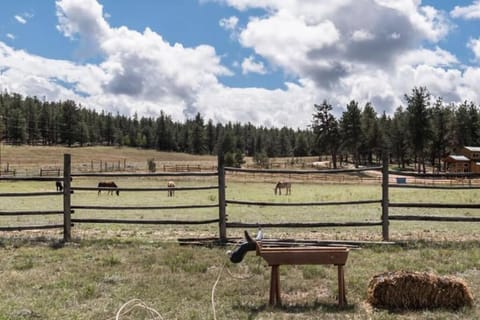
(421, 132)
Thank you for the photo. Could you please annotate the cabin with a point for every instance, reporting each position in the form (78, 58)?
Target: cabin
(457, 163)
(467, 161)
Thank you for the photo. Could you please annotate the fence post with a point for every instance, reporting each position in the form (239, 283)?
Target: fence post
(67, 221)
(385, 200)
(221, 198)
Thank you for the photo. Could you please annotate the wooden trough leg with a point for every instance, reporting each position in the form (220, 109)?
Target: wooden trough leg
(275, 287)
(342, 298)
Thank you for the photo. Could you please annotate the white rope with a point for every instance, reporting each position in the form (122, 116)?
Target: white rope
(137, 303)
(213, 292)
(231, 275)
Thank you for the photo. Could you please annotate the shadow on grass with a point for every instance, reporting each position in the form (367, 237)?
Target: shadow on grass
(317, 306)
(57, 242)
(28, 241)
(428, 244)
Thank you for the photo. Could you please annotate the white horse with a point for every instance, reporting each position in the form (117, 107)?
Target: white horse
(171, 186)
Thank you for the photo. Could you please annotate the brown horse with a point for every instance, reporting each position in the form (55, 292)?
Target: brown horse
(58, 185)
(109, 186)
(171, 186)
(283, 185)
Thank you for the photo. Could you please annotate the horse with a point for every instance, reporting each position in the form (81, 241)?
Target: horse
(250, 245)
(58, 185)
(280, 185)
(110, 186)
(171, 186)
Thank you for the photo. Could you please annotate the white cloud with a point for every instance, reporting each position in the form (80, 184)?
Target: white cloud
(362, 35)
(249, 65)
(290, 48)
(140, 72)
(229, 24)
(338, 50)
(474, 45)
(20, 19)
(469, 12)
(10, 36)
(291, 107)
(321, 41)
(437, 57)
(24, 17)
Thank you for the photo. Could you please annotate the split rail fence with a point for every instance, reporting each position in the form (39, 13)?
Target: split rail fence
(221, 220)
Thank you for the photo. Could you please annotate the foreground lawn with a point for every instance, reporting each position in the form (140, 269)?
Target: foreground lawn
(108, 265)
(92, 279)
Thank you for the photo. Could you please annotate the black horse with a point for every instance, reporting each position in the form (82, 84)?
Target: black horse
(238, 255)
(59, 185)
(110, 186)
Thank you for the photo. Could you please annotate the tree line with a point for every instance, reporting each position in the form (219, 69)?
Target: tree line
(422, 132)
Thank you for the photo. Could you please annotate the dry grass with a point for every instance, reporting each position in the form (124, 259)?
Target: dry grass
(92, 279)
(108, 265)
(31, 159)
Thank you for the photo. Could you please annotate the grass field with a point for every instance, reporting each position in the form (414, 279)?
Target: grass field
(107, 265)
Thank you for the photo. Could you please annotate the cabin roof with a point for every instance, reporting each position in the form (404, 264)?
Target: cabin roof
(473, 149)
(458, 158)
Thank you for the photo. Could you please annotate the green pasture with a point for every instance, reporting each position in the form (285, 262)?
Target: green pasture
(302, 192)
(107, 265)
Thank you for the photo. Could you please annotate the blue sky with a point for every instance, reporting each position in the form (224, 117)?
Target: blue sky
(260, 61)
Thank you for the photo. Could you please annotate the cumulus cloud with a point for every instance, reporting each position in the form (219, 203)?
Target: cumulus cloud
(229, 24)
(437, 57)
(474, 45)
(371, 51)
(141, 65)
(262, 106)
(249, 65)
(365, 58)
(323, 42)
(468, 12)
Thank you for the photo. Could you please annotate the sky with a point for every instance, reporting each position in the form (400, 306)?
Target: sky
(266, 62)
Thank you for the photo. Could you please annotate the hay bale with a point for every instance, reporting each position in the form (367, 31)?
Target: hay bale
(417, 290)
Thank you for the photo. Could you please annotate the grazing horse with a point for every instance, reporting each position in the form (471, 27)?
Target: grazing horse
(58, 185)
(238, 255)
(109, 186)
(280, 185)
(171, 186)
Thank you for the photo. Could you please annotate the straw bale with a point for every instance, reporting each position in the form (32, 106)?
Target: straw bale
(418, 290)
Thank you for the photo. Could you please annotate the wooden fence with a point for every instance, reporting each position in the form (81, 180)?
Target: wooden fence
(221, 173)
(18, 213)
(50, 172)
(297, 204)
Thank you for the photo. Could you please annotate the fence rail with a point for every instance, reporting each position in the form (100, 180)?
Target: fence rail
(438, 187)
(130, 221)
(30, 213)
(298, 204)
(303, 225)
(200, 206)
(147, 189)
(32, 227)
(30, 194)
(156, 174)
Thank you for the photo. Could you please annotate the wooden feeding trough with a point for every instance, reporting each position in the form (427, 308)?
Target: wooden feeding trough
(276, 256)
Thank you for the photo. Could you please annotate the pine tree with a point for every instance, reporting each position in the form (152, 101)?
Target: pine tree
(326, 129)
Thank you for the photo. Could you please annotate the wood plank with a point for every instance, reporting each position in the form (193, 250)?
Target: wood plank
(305, 257)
